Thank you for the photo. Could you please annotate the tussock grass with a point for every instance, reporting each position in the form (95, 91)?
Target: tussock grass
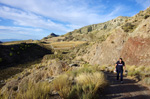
(82, 83)
(85, 82)
(39, 90)
(97, 79)
(146, 80)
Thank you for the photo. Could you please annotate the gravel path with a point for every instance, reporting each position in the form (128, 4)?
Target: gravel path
(128, 90)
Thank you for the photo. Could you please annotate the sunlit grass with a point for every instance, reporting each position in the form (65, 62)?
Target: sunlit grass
(62, 45)
(82, 83)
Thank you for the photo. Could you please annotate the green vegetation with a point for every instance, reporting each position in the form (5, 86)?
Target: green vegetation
(146, 16)
(18, 53)
(138, 73)
(128, 27)
(103, 38)
(10, 54)
(1, 60)
(83, 83)
(39, 90)
(12, 48)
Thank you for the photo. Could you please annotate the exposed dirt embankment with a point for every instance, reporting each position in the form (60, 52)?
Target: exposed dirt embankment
(136, 51)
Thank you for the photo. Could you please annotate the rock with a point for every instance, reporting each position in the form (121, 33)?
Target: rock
(49, 79)
(55, 93)
(71, 65)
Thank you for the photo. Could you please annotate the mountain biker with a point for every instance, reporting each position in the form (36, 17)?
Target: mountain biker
(119, 68)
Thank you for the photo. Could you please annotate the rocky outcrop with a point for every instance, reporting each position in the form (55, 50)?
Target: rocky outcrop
(51, 35)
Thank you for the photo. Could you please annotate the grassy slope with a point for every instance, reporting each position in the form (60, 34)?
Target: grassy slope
(15, 58)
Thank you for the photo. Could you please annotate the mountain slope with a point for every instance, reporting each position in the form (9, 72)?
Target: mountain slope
(95, 32)
(131, 41)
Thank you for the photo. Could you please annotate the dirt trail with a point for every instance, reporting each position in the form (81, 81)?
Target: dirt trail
(129, 90)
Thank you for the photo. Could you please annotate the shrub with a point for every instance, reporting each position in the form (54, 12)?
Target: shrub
(102, 38)
(147, 69)
(112, 42)
(18, 53)
(147, 80)
(128, 27)
(146, 16)
(12, 48)
(10, 54)
(1, 60)
(23, 49)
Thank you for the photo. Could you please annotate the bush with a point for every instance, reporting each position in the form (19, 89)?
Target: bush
(147, 80)
(1, 60)
(12, 48)
(102, 38)
(10, 54)
(146, 16)
(128, 27)
(18, 53)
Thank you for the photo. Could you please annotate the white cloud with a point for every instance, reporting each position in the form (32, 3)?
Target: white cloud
(57, 15)
(71, 11)
(29, 19)
(144, 3)
(15, 32)
(19, 28)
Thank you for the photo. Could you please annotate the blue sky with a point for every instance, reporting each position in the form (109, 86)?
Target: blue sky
(35, 19)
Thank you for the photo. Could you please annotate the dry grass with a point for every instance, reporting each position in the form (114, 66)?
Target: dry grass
(97, 79)
(82, 83)
(35, 91)
(31, 90)
(146, 80)
(62, 85)
(138, 73)
(65, 45)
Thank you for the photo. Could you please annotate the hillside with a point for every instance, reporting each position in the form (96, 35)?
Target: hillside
(131, 41)
(95, 32)
(16, 58)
